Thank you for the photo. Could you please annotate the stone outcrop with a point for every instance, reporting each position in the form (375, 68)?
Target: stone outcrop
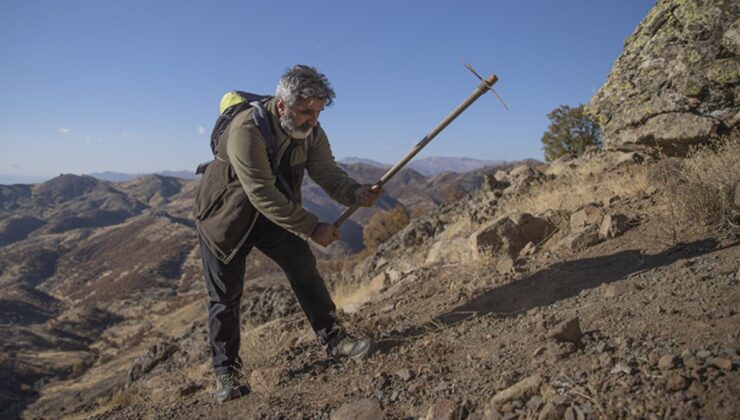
(507, 236)
(676, 82)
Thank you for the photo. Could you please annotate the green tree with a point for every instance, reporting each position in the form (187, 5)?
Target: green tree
(570, 132)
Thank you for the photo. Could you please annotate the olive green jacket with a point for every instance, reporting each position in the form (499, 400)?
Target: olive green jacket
(239, 184)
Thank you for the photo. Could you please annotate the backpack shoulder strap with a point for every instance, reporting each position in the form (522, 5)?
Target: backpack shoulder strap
(232, 103)
(262, 119)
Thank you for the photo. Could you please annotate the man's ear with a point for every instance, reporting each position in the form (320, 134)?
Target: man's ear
(281, 106)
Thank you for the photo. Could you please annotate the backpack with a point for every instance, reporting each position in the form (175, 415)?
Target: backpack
(234, 103)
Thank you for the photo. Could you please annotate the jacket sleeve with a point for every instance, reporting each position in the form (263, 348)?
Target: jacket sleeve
(323, 169)
(247, 153)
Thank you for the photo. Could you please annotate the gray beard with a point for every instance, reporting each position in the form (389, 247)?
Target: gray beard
(288, 125)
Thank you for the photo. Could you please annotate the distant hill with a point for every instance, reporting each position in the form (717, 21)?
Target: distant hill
(353, 160)
(121, 176)
(432, 165)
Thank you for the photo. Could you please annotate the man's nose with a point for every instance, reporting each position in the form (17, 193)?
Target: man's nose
(313, 119)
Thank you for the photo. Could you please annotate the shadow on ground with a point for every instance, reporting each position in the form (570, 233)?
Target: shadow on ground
(551, 284)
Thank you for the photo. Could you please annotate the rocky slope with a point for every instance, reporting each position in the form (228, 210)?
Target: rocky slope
(599, 287)
(609, 309)
(82, 259)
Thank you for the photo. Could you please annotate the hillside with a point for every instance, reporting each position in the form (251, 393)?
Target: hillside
(612, 307)
(594, 287)
(82, 258)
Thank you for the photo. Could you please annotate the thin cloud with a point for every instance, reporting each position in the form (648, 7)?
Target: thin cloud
(201, 130)
(64, 130)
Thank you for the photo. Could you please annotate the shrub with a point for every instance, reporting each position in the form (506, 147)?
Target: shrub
(383, 225)
(571, 131)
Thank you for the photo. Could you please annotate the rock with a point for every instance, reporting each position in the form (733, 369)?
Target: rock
(507, 236)
(405, 374)
(377, 284)
(492, 414)
(265, 380)
(667, 362)
(621, 368)
(154, 356)
(703, 354)
(519, 178)
(613, 225)
(737, 195)
(551, 412)
(560, 350)
(491, 184)
(447, 250)
(521, 390)
(669, 94)
(535, 403)
(583, 239)
(393, 275)
(417, 232)
(366, 409)
(188, 388)
(529, 249)
(568, 331)
(605, 360)
(692, 362)
(696, 389)
(574, 413)
(720, 362)
(619, 288)
(588, 215)
(676, 382)
(444, 410)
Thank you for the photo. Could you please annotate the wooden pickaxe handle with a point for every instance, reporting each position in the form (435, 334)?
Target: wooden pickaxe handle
(484, 86)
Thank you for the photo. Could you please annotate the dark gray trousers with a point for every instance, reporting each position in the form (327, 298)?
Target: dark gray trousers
(225, 284)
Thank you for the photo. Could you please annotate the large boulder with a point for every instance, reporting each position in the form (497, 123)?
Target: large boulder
(505, 237)
(676, 82)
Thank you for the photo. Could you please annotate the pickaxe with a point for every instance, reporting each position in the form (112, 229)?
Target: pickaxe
(484, 86)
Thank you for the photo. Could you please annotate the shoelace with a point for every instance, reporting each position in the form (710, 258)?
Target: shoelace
(227, 380)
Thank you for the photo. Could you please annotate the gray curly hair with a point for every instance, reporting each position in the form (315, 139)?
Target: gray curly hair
(304, 82)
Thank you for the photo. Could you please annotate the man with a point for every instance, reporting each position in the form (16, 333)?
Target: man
(249, 197)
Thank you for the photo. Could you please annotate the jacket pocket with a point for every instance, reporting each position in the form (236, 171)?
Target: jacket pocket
(213, 186)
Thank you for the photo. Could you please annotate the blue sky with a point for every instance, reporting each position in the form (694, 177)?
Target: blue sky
(133, 86)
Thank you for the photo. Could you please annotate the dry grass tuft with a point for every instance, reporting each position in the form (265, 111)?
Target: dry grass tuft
(711, 175)
(261, 344)
(698, 192)
(584, 183)
(345, 295)
(127, 397)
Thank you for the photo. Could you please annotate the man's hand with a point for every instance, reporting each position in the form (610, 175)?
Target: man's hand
(367, 195)
(324, 234)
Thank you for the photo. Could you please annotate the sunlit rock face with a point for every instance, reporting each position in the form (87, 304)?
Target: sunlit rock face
(676, 82)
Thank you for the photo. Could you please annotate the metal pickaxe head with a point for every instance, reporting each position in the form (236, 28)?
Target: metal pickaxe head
(487, 84)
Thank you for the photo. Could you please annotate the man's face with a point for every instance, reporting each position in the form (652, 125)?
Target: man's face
(299, 119)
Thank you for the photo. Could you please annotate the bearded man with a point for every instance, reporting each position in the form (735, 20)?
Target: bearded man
(249, 197)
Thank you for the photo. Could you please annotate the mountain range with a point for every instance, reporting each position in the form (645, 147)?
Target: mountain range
(434, 165)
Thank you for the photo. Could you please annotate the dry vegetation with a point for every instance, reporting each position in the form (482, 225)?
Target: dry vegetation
(710, 179)
(697, 193)
(584, 183)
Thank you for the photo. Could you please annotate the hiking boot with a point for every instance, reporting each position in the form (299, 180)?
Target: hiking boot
(344, 345)
(229, 386)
